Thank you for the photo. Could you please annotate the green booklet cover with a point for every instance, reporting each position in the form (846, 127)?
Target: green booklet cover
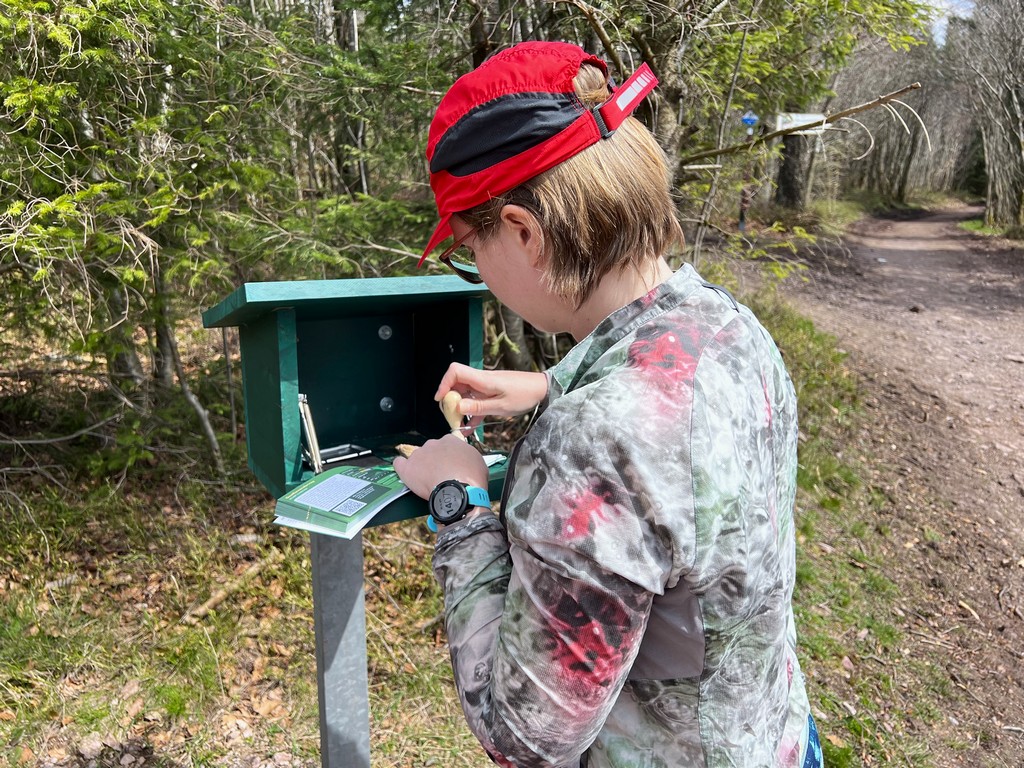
(340, 501)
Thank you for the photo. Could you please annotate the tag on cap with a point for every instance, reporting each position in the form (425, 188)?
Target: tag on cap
(628, 97)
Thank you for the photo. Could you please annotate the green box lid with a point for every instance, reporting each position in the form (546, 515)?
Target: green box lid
(312, 299)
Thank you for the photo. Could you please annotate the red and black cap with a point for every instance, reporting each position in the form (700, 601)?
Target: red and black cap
(514, 117)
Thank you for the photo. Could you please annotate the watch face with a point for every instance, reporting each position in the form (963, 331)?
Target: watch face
(448, 503)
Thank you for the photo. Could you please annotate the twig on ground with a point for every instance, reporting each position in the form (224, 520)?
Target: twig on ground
(429, 624)
(963, 604)
(192, 616)
(927, 640)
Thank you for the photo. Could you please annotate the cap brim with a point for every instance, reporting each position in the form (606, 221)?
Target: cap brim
(442, 232)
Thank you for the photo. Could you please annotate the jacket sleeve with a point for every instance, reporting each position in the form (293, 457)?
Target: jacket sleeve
(543, 631)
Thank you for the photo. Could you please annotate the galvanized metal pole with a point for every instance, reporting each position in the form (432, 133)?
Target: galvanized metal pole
(339, 623)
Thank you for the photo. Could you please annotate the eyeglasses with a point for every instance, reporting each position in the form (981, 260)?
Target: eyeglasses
(465, 265)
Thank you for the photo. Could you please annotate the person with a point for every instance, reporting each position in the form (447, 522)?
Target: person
(630, 603)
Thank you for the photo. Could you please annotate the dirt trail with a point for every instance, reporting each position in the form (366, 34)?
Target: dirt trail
(933, 319)
(931, 304)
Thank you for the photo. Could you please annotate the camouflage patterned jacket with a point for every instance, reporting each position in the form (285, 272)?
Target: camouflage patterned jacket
(633, 605)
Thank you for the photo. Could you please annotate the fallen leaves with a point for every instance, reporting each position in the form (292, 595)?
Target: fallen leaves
(101, 669)
(835, 741)
(269, 705)
(847, 667)
(263, 705)
(91, 747)
(282, 650)
(132, 710)
(234, 727)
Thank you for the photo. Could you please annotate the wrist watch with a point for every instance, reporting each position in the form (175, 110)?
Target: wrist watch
(451, 500)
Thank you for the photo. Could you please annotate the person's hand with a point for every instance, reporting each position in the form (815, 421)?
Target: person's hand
(492, 393)
(449, 458)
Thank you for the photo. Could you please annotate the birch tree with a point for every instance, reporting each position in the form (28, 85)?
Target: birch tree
(989, 51)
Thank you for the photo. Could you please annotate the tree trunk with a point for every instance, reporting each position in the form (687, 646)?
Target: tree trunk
(515, 349)
(163, 352)
(812, 162)
(791, 183)
(123, 361)
(203, 416)
(903, 186)
(989, 181)
(479, 39)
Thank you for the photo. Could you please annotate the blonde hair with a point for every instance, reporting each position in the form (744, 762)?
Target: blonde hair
(607, 208)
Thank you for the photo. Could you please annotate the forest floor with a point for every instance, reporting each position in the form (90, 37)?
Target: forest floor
(932, 318)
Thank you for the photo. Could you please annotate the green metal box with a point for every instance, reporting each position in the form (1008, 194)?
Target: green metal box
(367, 353)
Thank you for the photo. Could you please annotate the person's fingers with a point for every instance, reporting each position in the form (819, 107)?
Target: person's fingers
(447, 382)
(458, 376)
(470, 406)
(399, 465)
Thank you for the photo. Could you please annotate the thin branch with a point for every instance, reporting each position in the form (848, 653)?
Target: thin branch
(193, 615)
(871, 138)
(892, 111)
(370, 245)
(705, 212)
(732, 149)
(8, 440)
(595, 23)
(24, 374)
(707, 19)
(421, 91)
(204, 418)
(924, 127)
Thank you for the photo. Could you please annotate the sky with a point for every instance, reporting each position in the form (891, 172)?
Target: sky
(945, 9)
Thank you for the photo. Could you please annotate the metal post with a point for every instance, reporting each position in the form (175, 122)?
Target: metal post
(339, 623)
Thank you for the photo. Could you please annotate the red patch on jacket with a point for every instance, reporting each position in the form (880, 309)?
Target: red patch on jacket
(664, 358)
(593, 637)
(588, 659)
(589, 505)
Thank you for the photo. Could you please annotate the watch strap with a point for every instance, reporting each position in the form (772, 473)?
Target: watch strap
(478, 497)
